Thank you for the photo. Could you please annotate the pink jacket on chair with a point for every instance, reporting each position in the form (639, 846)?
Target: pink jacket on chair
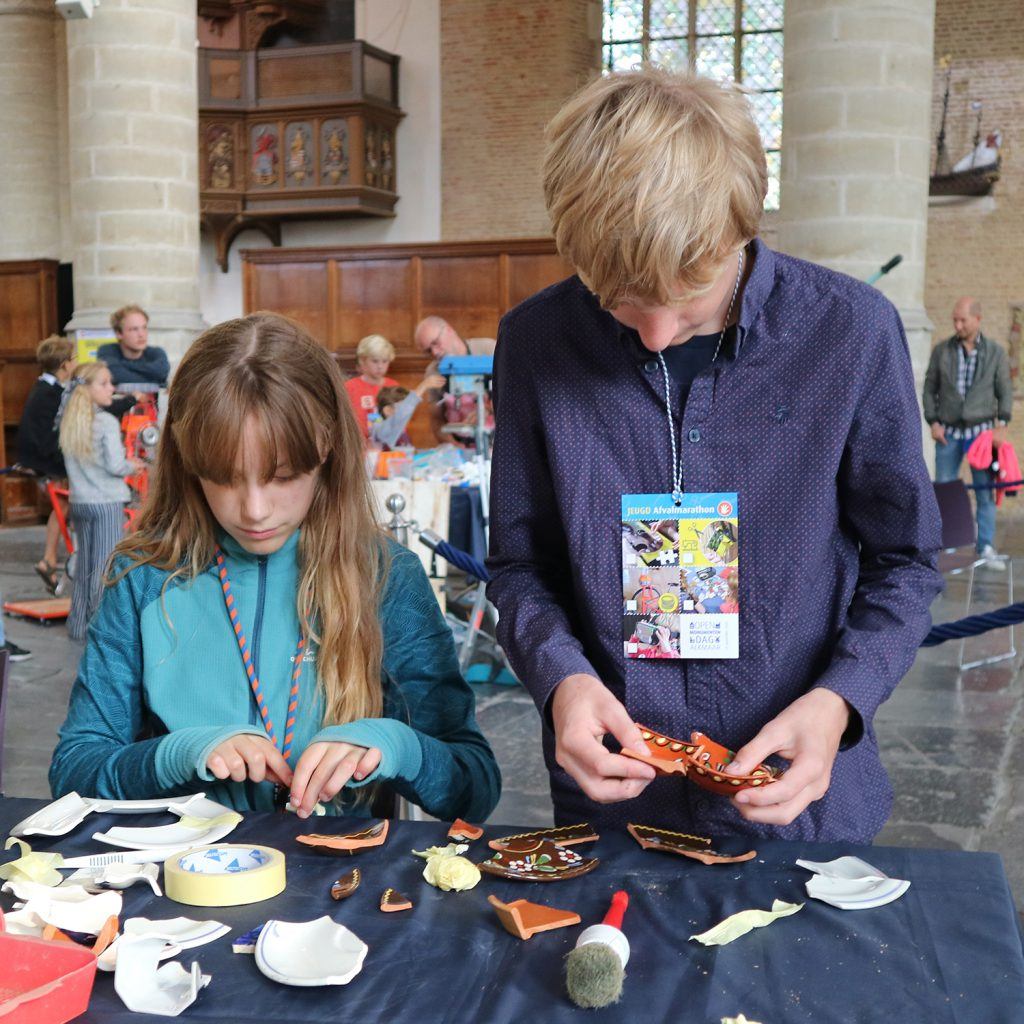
(980, 454)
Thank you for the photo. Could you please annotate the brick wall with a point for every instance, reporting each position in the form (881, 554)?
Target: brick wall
(506, 68)
(978, 248)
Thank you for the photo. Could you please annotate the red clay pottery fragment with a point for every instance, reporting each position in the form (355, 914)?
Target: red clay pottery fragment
(524, 919)
(696, 847)
(702, 760)
(463, 830)
(346, 885)
(567, 835)
(347, 844)
(391, 901)
(537, 860)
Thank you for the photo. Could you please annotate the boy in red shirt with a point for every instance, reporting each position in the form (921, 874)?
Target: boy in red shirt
(373, 357)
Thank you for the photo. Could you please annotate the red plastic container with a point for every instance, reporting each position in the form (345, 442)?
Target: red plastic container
(43, 982)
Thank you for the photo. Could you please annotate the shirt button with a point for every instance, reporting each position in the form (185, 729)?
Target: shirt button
(694, 435)
(651, 366)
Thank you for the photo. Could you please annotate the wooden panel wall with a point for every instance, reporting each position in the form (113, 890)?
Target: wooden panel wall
(343, 294)
(28, 313)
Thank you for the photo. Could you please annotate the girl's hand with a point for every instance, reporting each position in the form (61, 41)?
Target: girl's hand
(323, 770)
(251, 757)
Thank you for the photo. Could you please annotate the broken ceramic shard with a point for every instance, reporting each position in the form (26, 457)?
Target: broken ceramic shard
(346, 885)
(103, 938)
(685, 845)
(146, 988)
(850, 883)
(116, 876)
(537, 860)
(308, 953)
(246, 942)
(702, 760)
(566, 835)
(353, 842)
(392, 901)
(525, 919)
(463, 830)
(746, 920)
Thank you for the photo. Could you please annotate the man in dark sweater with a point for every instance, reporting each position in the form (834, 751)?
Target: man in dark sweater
(38, 443)
(131, 359)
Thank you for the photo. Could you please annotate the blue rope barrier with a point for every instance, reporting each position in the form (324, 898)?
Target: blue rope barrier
(467, 563)
(996, 487)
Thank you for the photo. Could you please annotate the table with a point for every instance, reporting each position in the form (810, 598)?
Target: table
(947, 951)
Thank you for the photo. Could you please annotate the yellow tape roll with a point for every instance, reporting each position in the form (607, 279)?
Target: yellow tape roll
(228, 875)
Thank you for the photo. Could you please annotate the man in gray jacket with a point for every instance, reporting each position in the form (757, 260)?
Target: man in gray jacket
(967, 390)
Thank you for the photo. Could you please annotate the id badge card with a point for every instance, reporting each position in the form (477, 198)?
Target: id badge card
(680, 576)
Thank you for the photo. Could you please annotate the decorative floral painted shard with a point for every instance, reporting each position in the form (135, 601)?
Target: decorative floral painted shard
(392, 901)
(702, 760)
(567, 835)
(353, 842)
(524, 919)
(537, 860)
(696, 847)
(346, 885)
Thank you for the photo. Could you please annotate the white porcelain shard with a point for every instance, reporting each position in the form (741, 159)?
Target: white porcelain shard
(171, 837)
(87, 916)
(182, 931)
(55, 819)
(146, 988)
(850, 883)
(107, 960)
(306, 953)
(116, 876)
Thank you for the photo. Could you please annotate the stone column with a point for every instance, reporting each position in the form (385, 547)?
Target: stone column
(29, 161)
(857, 85)
(132, 113)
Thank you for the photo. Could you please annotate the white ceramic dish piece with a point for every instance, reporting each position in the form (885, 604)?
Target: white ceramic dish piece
(24, 889)
(850, 883)
(107, 960)
(182, 931)
(115, 876)
(308, 953)
(87, 916)
(168, 837)
(61, 816)
(146, 988)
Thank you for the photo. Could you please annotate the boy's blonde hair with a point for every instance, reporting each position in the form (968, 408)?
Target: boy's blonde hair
(375, 346)
(267, 371)
(118, 316)
(652, 180)
(79, 413)
(53, 352)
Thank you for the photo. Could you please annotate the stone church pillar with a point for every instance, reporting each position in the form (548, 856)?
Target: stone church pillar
(856, 142)
(29, 159)
(132, 140)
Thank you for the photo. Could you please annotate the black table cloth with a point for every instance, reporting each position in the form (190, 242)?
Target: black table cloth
(947, 951)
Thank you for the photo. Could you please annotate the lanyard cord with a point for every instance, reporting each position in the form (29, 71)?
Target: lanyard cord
(250, 669)
(677, 467)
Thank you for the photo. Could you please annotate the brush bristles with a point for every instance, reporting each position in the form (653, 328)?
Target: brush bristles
(593, 975)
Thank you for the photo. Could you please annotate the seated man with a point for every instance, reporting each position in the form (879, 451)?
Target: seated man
(436, 337)
(131, 359)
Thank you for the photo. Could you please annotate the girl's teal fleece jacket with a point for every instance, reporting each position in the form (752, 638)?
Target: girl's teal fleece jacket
(161, 683)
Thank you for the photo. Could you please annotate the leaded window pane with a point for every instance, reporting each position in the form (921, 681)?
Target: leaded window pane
(623, 20)
(761, 62)
(625, 56)
(771, 200)
(714, 56)
(715, 16)
(762, 14)
(669, 18)
(767, 109)
(670, 53)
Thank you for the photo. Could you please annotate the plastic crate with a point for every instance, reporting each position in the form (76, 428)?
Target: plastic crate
(43, 982)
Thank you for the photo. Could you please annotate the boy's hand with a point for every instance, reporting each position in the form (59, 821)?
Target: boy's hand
(807, 734)
(323, 770)
(251, 757)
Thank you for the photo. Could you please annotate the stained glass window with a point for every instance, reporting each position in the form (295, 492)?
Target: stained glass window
(737, 39)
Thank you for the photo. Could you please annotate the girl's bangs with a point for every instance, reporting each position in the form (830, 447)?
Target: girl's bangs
(212, 441)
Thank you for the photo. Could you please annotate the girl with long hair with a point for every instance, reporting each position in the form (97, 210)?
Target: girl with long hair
(94, 456)
(260, 636)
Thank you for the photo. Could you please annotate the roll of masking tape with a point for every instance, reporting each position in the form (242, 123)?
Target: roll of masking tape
(228, 875)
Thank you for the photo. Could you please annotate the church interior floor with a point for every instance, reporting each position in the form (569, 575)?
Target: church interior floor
(953, 743)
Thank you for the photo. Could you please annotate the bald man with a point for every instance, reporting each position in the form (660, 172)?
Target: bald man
(967, 390)
(436, 337)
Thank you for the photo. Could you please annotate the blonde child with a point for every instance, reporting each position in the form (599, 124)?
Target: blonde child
(258, 546)
(374, 355)
(94, 456)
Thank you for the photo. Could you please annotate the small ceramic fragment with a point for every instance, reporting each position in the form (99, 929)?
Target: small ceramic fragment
(537, 860)
(702, 760)
(463, 830)
(739, 924)
(524, 919)
(391, 901)
(567, 835)
(686, 845)
(307, 953)
(346, 885)
(246, 942)
(353, 842)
